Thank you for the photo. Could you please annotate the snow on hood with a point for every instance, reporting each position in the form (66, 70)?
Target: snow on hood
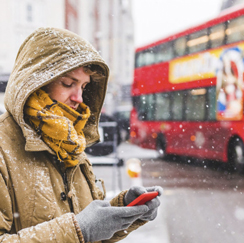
(46, 54)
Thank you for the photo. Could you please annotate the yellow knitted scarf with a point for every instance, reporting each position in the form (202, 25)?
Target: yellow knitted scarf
(59, 125)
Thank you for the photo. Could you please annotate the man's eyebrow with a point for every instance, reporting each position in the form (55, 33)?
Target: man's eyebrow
(74, 79)
(68, 76)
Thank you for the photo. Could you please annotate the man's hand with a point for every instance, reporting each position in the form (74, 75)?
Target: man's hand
(99, 220)
(153, 205)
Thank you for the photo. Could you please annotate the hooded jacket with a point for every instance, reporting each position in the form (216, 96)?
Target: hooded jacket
(38, 200)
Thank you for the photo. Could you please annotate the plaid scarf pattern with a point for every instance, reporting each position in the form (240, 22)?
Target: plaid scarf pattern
(59, 125)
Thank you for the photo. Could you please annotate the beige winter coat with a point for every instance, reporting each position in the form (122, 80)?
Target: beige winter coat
(31, 182)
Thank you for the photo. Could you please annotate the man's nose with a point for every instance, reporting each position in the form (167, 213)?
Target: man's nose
(77, 96)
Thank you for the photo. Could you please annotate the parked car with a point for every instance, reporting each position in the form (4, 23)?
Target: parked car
(122, 117)
(109, 136)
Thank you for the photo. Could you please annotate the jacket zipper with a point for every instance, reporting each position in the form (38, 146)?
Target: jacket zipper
(62, 171)
(65, 181)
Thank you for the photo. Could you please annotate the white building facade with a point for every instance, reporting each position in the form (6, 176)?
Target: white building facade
(19, 18)
(107, 24)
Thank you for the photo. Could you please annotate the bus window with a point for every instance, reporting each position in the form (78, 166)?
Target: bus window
(180, 46)
(177, 105)
(148, 57)
(150, 99)
(145, 107)
(211, 104)
(162, 106)
(217, 35)
(235, 30)
(142, 108)
(139, 60)
(145, 58)
(195, 105)
(164, 52)
(198, 41)
(136, 102)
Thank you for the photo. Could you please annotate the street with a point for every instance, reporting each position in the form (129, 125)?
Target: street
(201, 201)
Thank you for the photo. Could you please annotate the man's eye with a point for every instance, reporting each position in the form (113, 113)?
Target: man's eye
(66, 85)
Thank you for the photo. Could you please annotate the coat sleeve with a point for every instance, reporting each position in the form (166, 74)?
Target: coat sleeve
(61, 229)
(119, 202)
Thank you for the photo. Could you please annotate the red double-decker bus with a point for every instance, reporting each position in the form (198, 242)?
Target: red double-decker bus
(188, 92)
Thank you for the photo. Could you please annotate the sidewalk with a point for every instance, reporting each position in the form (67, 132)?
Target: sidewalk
(111, 174)
(152, 232)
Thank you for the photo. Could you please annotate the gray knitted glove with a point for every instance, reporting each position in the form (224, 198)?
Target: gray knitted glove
(99, 220)
(153, 205)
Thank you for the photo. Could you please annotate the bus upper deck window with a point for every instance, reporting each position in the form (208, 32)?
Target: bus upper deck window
(180, 46)
(235, 30)
(217, 35)
(144, 58)
(164, 52)
(139, 60)
(198, 41)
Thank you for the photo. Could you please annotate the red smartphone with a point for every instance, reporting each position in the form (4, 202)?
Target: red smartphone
(143, 198)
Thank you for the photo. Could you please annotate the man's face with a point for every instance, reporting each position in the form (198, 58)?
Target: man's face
(69, 88)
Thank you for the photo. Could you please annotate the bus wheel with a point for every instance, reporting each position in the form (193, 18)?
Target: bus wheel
(236, 155)
(161, 146)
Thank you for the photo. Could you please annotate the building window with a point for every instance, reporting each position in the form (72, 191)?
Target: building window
(29, 13)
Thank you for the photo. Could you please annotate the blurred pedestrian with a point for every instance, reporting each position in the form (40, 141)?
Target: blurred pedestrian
(48, 191)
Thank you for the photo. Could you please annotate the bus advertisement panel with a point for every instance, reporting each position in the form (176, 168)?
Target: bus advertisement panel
(224, 64)
(188, 92)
